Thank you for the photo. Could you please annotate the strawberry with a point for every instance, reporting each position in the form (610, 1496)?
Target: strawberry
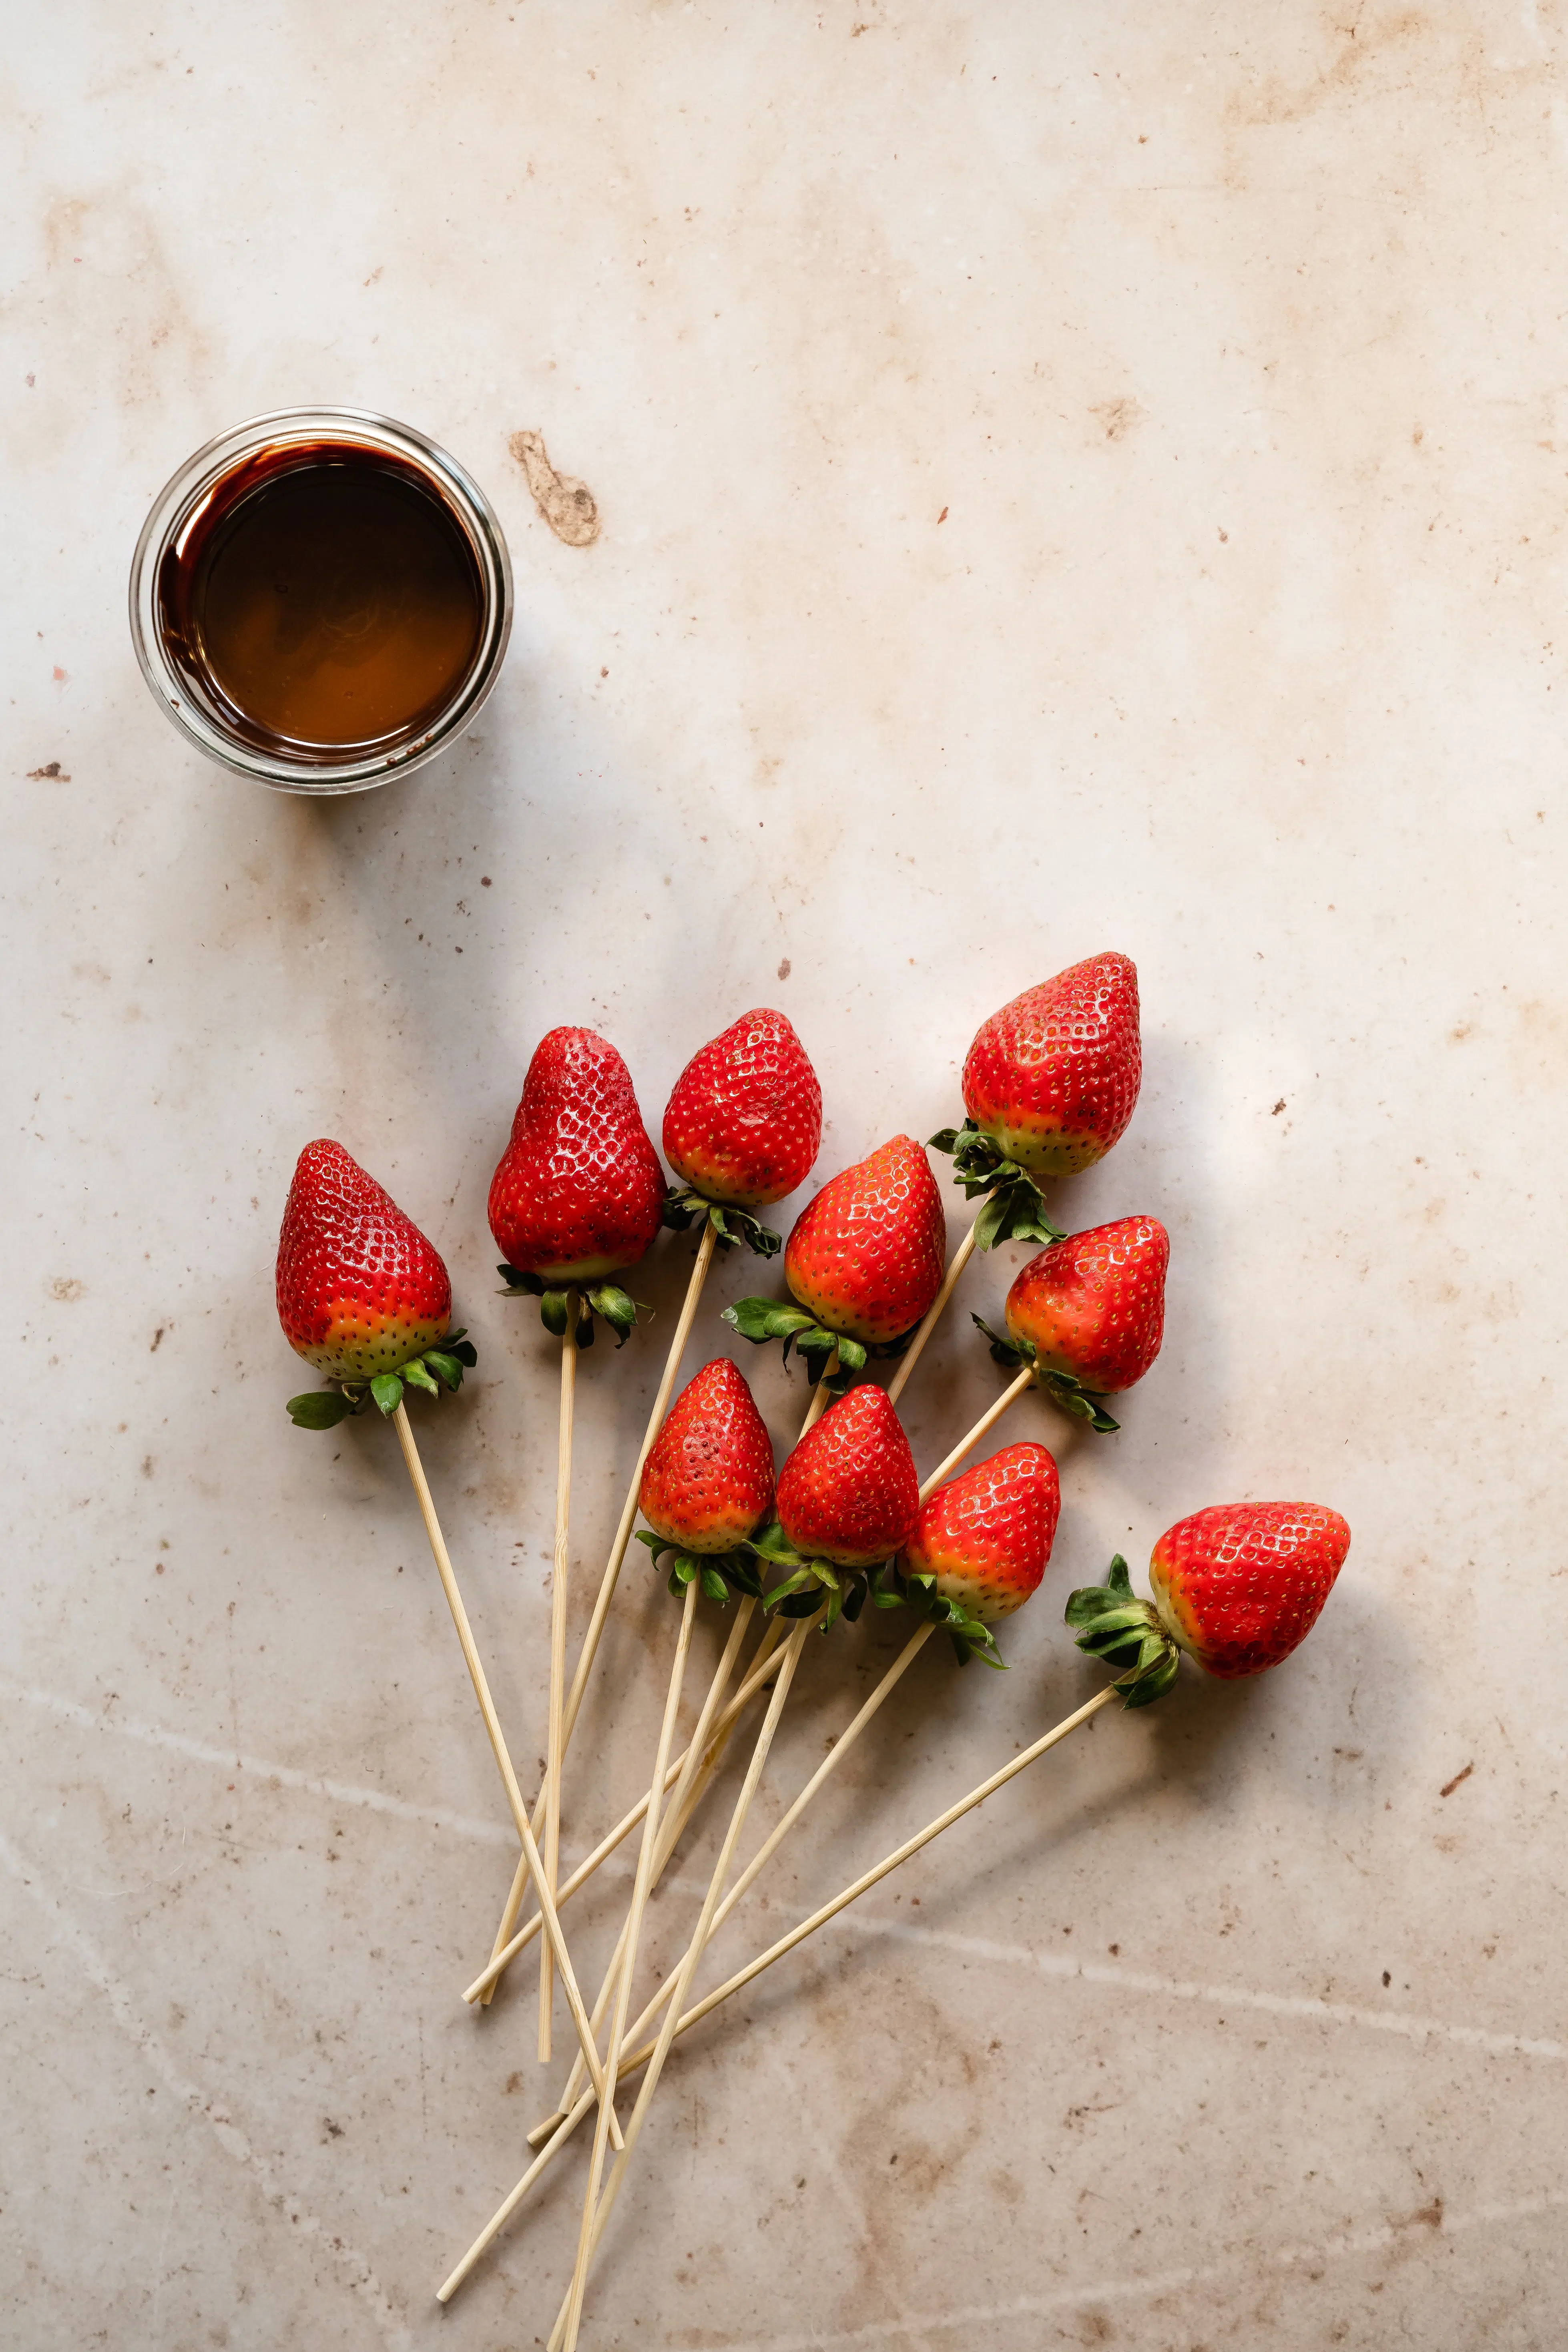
(981, 1543)
(1049, 1084)
(742, 1126)
(361, 1294)
(847, 1497)
(709, 1480)
(864, 1259)
(579, 1193)
(1089, 1313)
(1236, 1586)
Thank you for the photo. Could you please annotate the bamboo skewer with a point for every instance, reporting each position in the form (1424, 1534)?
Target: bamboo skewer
(552, 1789)
(530, 1853)
(912, 1354)
(987, 1422)
(754, 1968)
(683, 1804)
(607, 1583)
(630, 1939)
(767, 1851)
(765, 1666)
(564, 2332)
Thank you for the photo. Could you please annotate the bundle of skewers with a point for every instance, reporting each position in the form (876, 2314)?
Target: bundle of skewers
(845, 1528)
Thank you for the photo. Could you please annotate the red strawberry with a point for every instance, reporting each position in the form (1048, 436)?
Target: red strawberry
(1052, 1078)
(360, 1290)
(1238, 1585)
(744, 1120)
(867, 1256)
(709, 1477)
(986, 1537)
(1094, 1306)
(849, 1493)
(579, 1193)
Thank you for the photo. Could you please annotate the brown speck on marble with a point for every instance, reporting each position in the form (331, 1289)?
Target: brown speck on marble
(53, 773)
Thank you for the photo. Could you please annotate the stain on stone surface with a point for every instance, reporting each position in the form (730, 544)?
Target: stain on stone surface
(52, 772)
(568, 505)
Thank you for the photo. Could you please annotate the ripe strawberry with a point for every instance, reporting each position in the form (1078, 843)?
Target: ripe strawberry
(744, 1120)
(1089, 1312)
(1052, 1078)
(849, 1493)
(1048, 1085)
(1237, 1585)
(361, 1294)
(709, 1477)
(984, 1538)
(866, 1257)
(579, 1191)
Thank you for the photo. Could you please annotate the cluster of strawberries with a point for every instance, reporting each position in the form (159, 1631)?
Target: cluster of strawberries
(1049, 1084)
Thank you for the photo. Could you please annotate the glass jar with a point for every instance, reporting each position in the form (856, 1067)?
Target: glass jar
(190, 692)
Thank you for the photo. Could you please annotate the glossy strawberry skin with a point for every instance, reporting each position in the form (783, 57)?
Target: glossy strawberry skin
(1094, 1305)
(360, 1289)
(709, 1478)
(849, 1493)
(986, 1536)
(744, 1121)
(1238, 1585)
(1053, 1077)
(867, 1256)
(579, 1191)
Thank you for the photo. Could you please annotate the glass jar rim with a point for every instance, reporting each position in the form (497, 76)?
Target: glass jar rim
(188, 489)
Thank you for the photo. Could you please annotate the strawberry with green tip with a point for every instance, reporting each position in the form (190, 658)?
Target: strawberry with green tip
(864, 1259)
(1090, 1313)
(708, 1481)
(361, 1295)
(847, 1499)
(578, 1194)
(1236, 1586)
(1049, 1084)
(742, 1127)
(981, 1544)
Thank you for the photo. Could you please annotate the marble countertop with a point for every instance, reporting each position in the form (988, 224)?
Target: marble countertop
(1067, 478)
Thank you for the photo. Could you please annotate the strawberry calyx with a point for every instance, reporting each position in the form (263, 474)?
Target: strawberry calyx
(719, 1572)
(606, 1298)
(435, 1369)
(1114, 1624)
(761, 1320)
(916, 1589)
(1016, 1209)
(809, 1582)
(1084, 1404)
(685, 1206)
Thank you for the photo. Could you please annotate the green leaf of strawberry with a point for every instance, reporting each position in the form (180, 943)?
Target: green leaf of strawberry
(1114, 1624)
(386, 1389)
(1015, 1212)
(418, 1377)
(319, 1409)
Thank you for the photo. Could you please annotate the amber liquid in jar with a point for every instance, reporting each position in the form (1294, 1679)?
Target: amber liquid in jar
(324, 595)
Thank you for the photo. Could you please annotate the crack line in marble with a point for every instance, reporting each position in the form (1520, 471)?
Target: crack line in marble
(1345, 2246)
(356, 2272)
(1278, 2004)
(287, 1776)
(1306, 2006)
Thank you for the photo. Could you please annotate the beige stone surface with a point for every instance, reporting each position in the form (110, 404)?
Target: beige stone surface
(1065, 477)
